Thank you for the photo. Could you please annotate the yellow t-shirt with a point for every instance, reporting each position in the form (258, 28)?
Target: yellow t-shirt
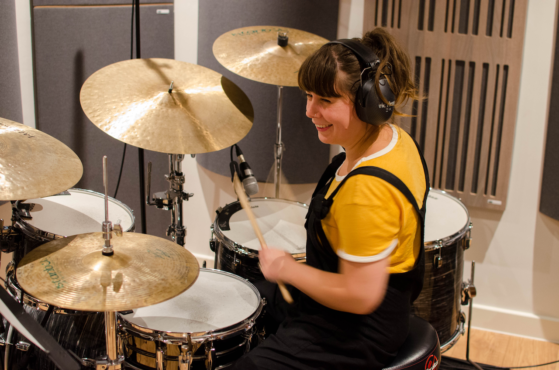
(371, 219)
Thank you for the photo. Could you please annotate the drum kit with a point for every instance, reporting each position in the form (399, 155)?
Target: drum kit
(116, 299)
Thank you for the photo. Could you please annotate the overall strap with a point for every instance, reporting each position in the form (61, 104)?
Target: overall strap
(321, 205)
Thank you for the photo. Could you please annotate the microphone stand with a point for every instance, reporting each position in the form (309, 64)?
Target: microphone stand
(136, 6)
(278, 147)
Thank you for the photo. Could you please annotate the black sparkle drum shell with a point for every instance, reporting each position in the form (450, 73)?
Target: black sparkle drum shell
(447, 228)
(236, 245)
(80, 332)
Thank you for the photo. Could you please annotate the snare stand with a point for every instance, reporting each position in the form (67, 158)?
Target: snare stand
(171, 200)
(278, 146)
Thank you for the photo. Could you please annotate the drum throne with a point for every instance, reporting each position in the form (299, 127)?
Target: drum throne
(421, 350)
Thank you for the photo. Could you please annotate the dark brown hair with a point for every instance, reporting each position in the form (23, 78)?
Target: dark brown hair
(319, 72)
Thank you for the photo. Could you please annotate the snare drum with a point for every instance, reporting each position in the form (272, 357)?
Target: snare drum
(447, 235)
(80, 211)
(208, 326)
(235, 244)
(81, 332)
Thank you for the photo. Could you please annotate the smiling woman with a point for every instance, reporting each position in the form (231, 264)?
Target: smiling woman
(365, 226)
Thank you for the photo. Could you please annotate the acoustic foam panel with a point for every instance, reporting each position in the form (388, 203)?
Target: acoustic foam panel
(305, 157)
(10, 90)
(549, 200)
(70, 44)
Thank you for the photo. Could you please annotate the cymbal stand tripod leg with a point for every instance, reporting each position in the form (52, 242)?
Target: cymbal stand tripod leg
(171, 200)
(470, 322)
(278, 147)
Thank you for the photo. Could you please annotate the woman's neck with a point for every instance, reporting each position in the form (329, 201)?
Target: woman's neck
(373, 140)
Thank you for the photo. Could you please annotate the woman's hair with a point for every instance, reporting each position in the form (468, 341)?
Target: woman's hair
(319, 72)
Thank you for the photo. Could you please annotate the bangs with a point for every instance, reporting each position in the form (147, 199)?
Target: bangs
(318, 73)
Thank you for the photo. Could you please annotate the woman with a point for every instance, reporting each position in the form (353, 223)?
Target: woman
(365, 224)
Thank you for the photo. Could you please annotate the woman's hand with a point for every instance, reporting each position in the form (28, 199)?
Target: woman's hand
(273, 263)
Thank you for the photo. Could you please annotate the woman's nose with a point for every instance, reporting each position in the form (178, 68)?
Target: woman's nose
(312, 112)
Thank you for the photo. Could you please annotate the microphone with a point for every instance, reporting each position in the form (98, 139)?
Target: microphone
(246, 175)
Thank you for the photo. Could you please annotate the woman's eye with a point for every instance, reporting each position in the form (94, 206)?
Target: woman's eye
(326, 100)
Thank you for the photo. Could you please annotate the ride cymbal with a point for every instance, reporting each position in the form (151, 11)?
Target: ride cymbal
(133, 102)
(254, 53)
(34, 164)
(72, 272)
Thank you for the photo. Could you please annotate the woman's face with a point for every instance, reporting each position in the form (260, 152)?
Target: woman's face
(335, 119)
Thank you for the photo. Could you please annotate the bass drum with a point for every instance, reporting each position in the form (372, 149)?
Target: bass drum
(235, 244)
(78, 331)
(207, 327)
(75, 211)
(447, 235)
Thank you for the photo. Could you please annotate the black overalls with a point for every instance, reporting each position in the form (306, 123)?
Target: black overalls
(313, 336)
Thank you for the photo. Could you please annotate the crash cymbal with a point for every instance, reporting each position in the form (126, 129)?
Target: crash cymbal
(254, 53)
(34, 164)
(130, 101)
(72, 272)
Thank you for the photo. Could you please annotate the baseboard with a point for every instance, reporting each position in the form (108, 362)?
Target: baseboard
(515, 323)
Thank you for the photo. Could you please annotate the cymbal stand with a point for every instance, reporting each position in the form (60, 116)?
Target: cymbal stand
(278, 147)
(471, 293)
(113, 360)
(171, 200)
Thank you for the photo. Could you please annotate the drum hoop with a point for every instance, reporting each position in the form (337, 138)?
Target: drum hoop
(182, 337)
(448, 240)
(35, 232)
(239, 248)
(21, 296)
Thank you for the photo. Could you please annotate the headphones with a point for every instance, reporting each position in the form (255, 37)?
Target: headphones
(369, 106)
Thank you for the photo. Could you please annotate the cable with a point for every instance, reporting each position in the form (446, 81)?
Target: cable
(131, 57)
(525, 367)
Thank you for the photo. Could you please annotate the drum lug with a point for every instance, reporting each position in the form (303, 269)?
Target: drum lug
(23, 346)
(160, 358)
(185, 358)
(10, 238)
(210, 355)
(248, 337)
(438, 259)
(235, 260)
(468, 239)
(468, 292)
(213, 243)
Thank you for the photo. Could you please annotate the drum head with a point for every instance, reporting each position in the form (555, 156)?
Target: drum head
(217, 300)
(447, 218)
(83, 211)
(282, 223)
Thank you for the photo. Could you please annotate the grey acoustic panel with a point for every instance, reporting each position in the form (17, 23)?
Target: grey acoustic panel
(305, 157)
(549, 200)
(94, 2)
(70, 44)
(10, 90)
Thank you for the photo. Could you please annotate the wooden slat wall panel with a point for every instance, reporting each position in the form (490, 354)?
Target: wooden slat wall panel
(468, 154)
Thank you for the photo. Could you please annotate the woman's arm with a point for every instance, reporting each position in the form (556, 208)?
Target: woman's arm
(358, 288)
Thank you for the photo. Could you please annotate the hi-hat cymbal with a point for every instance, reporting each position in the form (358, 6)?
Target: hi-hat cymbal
(130, 101)
(254, 53)
(34, 164)
(72, 272)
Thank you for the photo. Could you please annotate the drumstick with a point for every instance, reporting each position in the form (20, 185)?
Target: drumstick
(244, 203)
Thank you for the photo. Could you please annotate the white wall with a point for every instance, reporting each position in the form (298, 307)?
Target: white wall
(23, 15)
(517, 251)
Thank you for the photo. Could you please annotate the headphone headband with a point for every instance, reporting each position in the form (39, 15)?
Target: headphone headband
(364, 54)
